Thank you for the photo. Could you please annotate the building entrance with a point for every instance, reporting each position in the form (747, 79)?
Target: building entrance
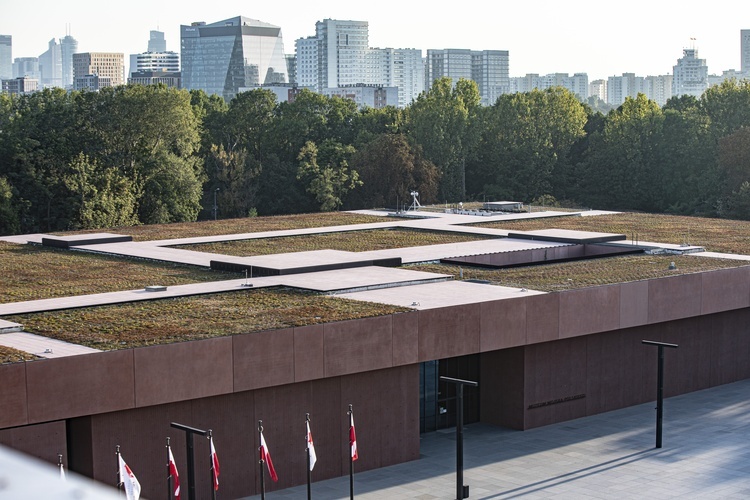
(437, 400)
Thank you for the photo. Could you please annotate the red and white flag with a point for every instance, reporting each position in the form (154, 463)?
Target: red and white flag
(215, 465)
(311, 448)
(128, 480)
(175, 476)
(352, 437)
(265, 455)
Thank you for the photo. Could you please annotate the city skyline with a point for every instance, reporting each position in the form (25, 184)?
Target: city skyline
(559, 39)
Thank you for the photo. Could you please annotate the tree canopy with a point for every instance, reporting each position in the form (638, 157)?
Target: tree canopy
(146, 154)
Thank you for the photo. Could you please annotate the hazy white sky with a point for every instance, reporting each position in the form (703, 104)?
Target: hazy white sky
(543, 36)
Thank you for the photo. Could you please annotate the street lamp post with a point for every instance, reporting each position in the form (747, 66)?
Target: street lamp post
(659, 386)
(462, 491)
(216, 207)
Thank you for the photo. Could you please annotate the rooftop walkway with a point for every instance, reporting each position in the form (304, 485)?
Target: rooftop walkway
(706, 456)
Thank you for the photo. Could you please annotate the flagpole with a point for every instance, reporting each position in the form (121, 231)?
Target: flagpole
(210, 436)
(307, 447)
(260, 462)
(351, 459)
(169, 475)
(119, 479)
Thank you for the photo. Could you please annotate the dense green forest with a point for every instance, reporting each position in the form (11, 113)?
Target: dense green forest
(141, 155)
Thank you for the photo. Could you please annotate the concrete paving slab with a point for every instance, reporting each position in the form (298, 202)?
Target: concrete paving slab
(442, 294)
(42, 346)
(613, 457)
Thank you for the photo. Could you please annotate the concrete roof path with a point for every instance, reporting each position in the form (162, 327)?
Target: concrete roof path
(43, 347)
(607, 456)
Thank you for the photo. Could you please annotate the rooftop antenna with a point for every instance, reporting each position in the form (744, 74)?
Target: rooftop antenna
(246, 284)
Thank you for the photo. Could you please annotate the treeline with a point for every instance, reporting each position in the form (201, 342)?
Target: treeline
(142, 155)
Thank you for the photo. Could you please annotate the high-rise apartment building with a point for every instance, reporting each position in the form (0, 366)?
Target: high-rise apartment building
(658, 88)
(598, 88)
(109, 65)
(399, 68)
(6, 57)
(621, 87)
(222, 57)
(335, 56)
(488, 68)
(690, 74)
(577, 84)
(307, 62)
(745, 51)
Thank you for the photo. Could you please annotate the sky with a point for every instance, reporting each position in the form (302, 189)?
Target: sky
(544, 36)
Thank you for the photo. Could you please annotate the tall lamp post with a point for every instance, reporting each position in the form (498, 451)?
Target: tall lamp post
(216, 207)
(659, 386)
(462, 491)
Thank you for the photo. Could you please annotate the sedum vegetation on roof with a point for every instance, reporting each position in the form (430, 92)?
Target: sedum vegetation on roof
(197, 317)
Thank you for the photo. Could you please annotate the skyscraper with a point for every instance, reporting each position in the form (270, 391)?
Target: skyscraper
(6, 57)
(745, 51)
(50, 66)
(68, 47)
(222, 57)
(690, 74)
(156, 41)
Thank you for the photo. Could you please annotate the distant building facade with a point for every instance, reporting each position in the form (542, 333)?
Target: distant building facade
(658, 88)
(222, 57)
(291, 68)
(26, 66)
(19, 86)
(598, 88)
(399, 68)
(6, 57)
(92, 82)
(488, 68)
(577, 84)
(170, 79)
(730, 74)
(690, 74)
(50, 65)
(336, 56)
(620, 88)
(109, 66)
(156, 41)
(68, 47)
(364, 95)
(745, 52)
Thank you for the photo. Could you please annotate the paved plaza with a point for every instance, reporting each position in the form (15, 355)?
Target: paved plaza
(706, 455)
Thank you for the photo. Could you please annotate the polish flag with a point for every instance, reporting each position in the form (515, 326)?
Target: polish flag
(128, 480)
(265, 455)
(311, 448)
(352, 438)
(215, 465)
(175, 476)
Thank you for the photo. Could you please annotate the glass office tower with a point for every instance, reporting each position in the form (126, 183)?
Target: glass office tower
(223, 57)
